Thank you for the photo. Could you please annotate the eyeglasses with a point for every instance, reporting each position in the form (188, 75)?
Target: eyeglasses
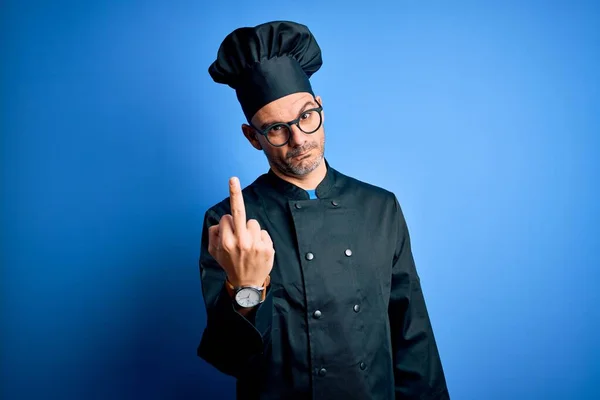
(278, 134)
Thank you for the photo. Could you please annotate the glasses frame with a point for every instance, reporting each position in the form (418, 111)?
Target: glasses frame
(289, 125)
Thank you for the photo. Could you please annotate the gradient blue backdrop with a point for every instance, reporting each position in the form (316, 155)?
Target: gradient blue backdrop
(482, 118)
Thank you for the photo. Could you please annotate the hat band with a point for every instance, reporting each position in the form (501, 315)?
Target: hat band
(270, 80)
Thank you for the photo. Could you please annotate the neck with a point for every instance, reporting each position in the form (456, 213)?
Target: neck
(309, 181)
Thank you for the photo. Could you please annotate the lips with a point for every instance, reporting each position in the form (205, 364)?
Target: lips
(301, 155)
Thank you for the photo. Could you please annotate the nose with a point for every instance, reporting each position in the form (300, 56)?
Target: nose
(297, 137)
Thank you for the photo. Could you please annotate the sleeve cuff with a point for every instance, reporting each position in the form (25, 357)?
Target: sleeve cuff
(256, 326)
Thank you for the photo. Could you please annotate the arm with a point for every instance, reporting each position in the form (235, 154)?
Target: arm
(231, 342)
(418, 370)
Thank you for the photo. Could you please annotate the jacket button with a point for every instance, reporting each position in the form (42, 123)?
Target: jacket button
(363, 365)
(317, 314)
(348, 252)
(322, 372)
(297, 205)
(309, 256)
(356, 308)
(335, 203)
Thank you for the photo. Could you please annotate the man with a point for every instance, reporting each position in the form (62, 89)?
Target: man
(307, 274)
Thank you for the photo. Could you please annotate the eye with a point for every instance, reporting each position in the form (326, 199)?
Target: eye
(306, 115)
(276, 129)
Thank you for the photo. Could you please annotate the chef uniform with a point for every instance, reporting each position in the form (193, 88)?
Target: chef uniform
(343, 316)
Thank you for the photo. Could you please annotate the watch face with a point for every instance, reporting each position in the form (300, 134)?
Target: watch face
(247, 297)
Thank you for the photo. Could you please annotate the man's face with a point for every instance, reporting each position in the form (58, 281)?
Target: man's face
(304, 152)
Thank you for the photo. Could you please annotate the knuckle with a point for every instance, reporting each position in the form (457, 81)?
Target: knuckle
(245, 245)
(252, 223)
(228, 243)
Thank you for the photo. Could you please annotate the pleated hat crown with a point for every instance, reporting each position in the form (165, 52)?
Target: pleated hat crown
(267, 62)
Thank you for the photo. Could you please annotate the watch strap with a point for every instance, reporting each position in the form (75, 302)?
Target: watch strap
(231, 290)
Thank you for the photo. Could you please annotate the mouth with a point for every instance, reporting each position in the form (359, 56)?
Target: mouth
(302, 155)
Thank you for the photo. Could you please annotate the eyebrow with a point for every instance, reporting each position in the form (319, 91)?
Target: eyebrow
(269, 123)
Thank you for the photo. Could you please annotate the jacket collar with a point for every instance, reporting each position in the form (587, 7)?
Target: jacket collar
(294, 192)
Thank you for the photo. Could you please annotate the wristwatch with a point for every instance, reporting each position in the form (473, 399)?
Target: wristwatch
(248, 296)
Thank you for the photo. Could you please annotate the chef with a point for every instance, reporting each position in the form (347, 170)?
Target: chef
(307, 274)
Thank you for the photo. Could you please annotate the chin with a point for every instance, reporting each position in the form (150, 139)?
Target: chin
(305, 166)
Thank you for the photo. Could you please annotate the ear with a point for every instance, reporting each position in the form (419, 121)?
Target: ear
(252, 136)
(318, 98)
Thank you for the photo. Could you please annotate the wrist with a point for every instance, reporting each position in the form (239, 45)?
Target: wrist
(248, 282)
(232, 288)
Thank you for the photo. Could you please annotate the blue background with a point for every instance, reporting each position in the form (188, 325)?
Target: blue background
(482, 118)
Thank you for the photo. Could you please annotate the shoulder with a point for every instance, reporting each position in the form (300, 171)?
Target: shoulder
(377, 202)
(363, 189)
(373, 200)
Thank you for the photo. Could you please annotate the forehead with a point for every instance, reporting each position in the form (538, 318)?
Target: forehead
(283, 109)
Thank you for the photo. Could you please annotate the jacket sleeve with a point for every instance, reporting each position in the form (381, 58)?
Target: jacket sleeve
(232, 343)
(418, 372)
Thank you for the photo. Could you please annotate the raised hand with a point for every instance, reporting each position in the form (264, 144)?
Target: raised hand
(241, 247)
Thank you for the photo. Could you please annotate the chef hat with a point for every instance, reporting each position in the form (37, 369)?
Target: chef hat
(267, 62)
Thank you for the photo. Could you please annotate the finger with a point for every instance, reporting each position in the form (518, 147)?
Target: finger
(213, 238)
(226, 234)
(264, 235)
(253, 229)
(238, 209)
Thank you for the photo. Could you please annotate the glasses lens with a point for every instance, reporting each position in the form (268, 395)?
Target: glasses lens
(278, 135)
(310, 121)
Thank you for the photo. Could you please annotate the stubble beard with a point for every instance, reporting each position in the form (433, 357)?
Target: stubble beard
(289, 166)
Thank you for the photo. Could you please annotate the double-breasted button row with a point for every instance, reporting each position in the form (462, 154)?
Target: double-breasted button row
(310, 256)
(322, 371)
(317, 314)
